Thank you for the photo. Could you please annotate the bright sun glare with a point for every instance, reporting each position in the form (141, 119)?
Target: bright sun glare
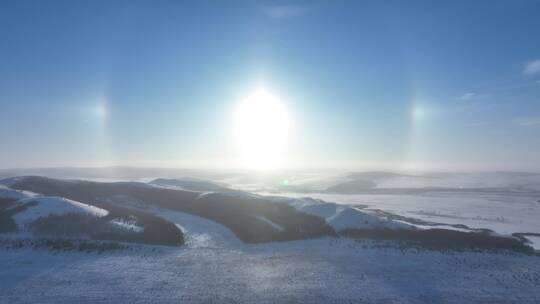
(261, 125)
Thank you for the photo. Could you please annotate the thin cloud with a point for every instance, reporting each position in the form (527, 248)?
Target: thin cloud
(478, 124)
(527, 121)
(285, 11)
(471, 96)
(532, 68)
(467, 96)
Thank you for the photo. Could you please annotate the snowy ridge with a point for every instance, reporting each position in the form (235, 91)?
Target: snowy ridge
(338, 216)
(7, 182)
(127, 225)
(38, 207)
(35, 206)
(342, 217)
(189, 184)
(269, 222)
(9, 193)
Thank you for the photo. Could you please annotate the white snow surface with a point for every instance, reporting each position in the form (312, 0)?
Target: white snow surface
(215, 267)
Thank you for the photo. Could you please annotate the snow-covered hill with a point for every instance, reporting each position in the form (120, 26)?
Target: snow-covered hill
(338, 216)
(25, 213)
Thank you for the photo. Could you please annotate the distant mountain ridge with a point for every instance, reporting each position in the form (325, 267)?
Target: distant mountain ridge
(191, 184)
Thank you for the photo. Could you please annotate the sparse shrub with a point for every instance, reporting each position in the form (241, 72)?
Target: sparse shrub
(156, 230)
(71, 225)
(441, 239)
(6, 223)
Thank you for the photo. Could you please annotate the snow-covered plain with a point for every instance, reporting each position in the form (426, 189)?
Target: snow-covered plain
(503, 202)
(215, 267)
(502, 213)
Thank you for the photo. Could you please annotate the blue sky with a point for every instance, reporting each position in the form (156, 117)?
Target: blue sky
(397, 84)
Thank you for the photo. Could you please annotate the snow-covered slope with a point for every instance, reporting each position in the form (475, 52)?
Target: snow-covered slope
(8, 193)
(27, 206)
(342, 217)
(38, 207)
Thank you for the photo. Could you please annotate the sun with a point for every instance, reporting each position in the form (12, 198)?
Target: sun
(261, 127)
